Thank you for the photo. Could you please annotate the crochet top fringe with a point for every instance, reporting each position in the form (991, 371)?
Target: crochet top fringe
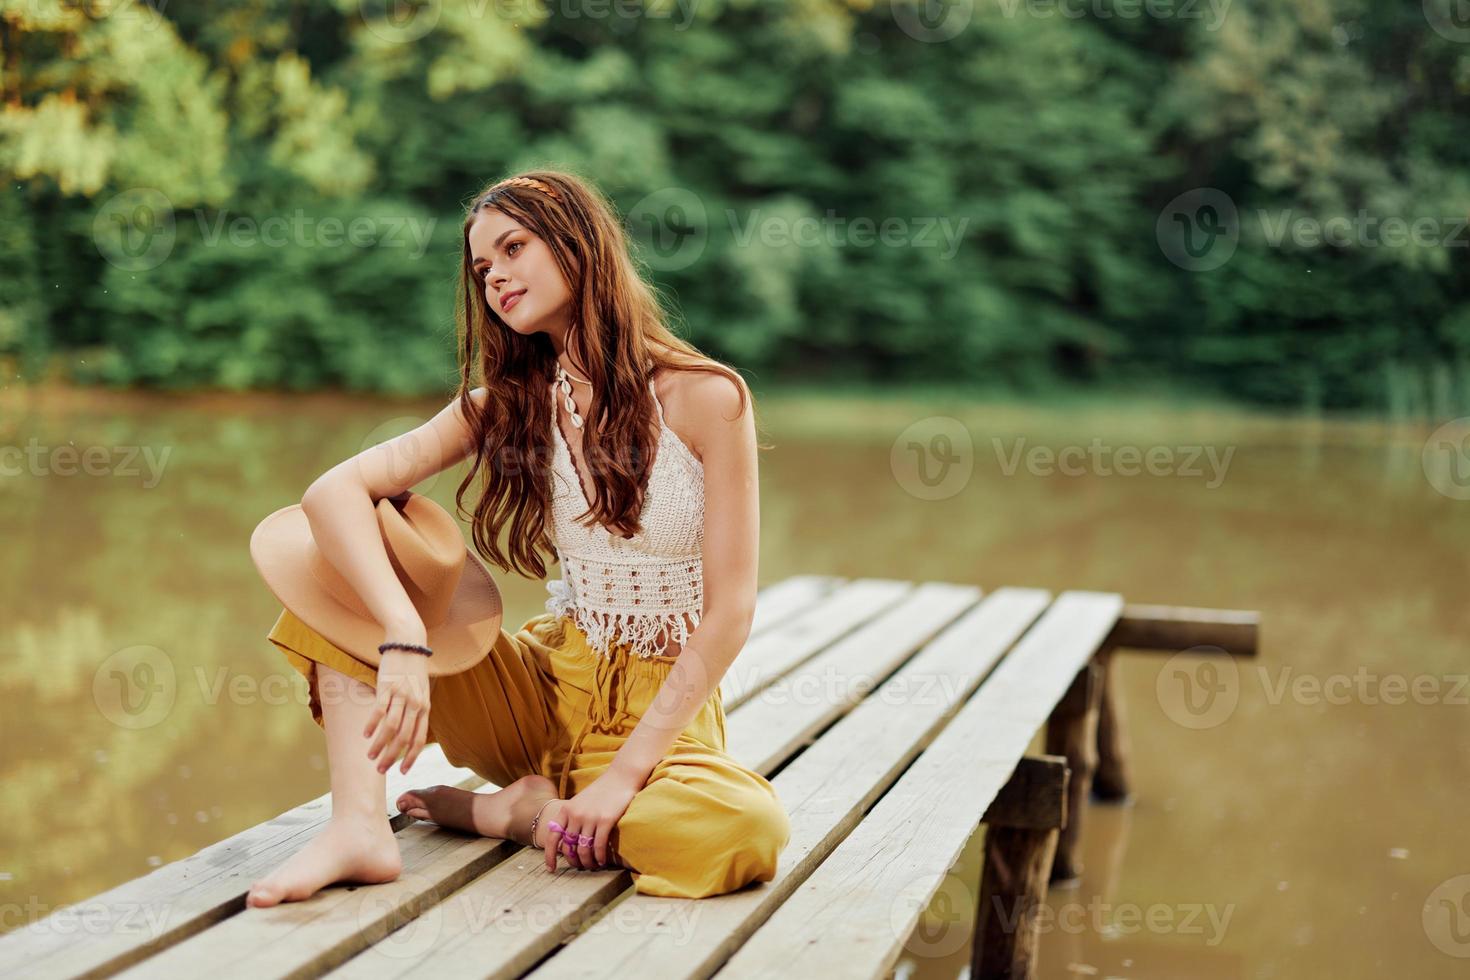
(631, 590)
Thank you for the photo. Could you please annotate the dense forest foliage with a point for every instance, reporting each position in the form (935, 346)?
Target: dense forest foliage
(1263, 199)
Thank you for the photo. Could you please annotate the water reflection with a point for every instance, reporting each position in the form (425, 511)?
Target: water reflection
(147, 716)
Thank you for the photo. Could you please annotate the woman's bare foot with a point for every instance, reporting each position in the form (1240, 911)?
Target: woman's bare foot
(505, 813)
(347, 849)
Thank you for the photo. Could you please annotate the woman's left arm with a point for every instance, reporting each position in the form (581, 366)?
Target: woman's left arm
(725, 437)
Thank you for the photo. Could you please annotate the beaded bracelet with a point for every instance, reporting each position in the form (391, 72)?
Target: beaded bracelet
(411, 647)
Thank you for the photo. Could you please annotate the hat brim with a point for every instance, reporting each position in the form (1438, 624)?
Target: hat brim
(280, 545)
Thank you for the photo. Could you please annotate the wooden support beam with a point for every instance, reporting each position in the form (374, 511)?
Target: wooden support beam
(1234, 632)
(1110, 784)
(1071, 731)
(1035, 796)
(1175, 628)
(1023, 822)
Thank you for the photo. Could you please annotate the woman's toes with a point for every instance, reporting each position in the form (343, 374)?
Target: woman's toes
(415, 802)
(263, 895)
(447, 806)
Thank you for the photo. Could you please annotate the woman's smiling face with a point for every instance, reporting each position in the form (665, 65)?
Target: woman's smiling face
(521, 281)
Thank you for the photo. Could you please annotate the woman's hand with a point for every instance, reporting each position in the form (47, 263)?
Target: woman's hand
(402, 709)
(594, 812)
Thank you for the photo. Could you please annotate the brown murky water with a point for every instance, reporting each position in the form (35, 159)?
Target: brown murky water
(1307, 824)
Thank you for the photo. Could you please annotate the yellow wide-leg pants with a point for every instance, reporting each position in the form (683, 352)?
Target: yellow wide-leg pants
(544, 701)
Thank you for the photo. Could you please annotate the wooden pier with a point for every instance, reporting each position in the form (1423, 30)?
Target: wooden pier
(893, 718)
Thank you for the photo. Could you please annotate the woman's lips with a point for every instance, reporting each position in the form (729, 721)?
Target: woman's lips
(510, 299)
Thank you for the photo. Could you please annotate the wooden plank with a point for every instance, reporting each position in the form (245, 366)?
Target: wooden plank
(788, 714)
(137, 918)
(1175, 628)
(297, 939)
(767, 657)
(788, 598)
(530, 908)
(851, 916)
(827, 790)
(140, 917)
(499, 925)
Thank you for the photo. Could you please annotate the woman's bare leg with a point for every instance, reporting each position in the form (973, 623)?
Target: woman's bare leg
(357, 843)
(504, 813)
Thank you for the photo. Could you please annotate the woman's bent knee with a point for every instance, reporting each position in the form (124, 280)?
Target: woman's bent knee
(764, 831)
(721, 854)
(332, 675)
(335, 689)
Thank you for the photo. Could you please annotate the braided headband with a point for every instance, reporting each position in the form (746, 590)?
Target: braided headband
(539, 185)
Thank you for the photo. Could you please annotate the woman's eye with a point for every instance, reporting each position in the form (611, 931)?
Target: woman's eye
(485, 270)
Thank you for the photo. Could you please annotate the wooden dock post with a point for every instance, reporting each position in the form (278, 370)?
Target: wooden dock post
(1022, 824)
(1071, 732)
(1167, 629)
(1110, 784)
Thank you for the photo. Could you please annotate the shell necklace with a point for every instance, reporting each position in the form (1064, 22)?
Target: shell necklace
(564, 385)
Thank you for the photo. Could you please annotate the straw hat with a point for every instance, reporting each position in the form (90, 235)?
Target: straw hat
(448, 585)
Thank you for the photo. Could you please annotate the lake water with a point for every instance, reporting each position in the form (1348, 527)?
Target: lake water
(1311, 827)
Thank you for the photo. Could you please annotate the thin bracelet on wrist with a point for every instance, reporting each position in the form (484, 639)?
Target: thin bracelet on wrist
(411, 647)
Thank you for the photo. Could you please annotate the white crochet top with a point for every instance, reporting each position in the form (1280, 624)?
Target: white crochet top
(637, 589)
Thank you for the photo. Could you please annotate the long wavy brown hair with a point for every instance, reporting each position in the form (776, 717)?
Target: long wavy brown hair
(618, 332)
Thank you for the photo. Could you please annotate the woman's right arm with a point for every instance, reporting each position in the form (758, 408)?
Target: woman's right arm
(340, 506)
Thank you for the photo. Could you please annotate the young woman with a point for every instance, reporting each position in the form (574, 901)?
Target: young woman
(600, 435)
